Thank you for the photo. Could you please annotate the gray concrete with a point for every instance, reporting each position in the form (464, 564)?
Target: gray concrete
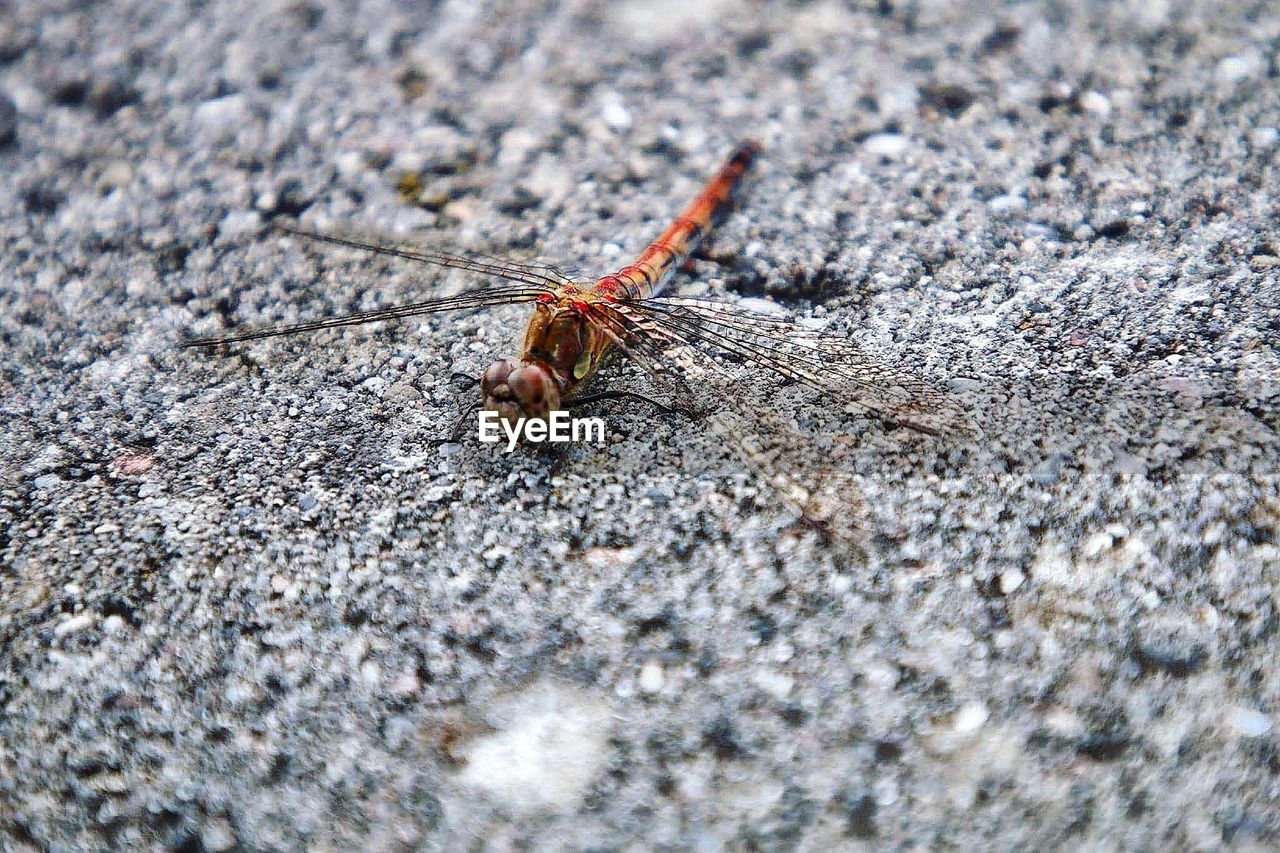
(249, 599)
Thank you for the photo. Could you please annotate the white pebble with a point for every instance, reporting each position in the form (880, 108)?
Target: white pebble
(776, 684)
(405, 684)
(762, 306)
(1248, 722)
(652, 677)
(970, 718)
(886, 144)
(542, 756)
(615, 113)
(1096, 544)
(76, 623)
(239, 222)
(1264, 137)
(222, 113)
(1233, 69)
(350, 163)
(1006, 204)
(1009, 581)
(1096, 103)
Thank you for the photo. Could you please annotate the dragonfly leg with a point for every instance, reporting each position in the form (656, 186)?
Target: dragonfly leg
(461, 424)
(559, 458)
(628, 395)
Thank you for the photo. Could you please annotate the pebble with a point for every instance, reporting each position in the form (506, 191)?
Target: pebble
(405, 684)
(237, 223)
(222, 113)
(1234, 69)
(543, 755)
(970, 718)
(651, 678)
(1261, 137)
(1010, 581)
(8, 120)
(1003, 205)
(891, 145)
(1248, 722)
(776, 684)
(1096, 103)
(615, 113)
(76, 623)
(47, 481)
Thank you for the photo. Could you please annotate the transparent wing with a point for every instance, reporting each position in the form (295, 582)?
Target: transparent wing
(827, 363)
(769, 444)
(539, 275)
(482, 298)
(522, 283)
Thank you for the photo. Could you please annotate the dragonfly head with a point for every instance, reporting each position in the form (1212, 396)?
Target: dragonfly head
(519, 389)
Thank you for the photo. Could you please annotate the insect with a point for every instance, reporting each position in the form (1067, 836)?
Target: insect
(694, 348)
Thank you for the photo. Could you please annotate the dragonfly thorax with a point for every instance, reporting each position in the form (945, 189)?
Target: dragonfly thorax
(519, 389)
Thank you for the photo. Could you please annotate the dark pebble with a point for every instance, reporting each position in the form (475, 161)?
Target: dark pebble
(109, 96)
(8, 121)
(947, 98)
(859, 813)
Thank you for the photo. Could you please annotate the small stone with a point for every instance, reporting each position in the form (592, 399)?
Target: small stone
(1260, 137)
(110, 96)
(891, 145)
(76, 623)
(217, 835)
(547, 746)
(1248, 722)
(222, 113)
(237, 223)
(405, 684)
(8, 120)
(1003, 205)
(776, 684)
(615, 113)
(1095, 103)
(1096, 544)
(651, 678)
(947, 98)
(1010, 581)
(1234, 69)
(880, 675)
(970, 718)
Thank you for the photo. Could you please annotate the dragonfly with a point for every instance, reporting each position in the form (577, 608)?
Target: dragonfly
(707, 354)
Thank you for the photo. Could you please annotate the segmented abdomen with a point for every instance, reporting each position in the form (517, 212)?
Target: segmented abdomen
(649, 272)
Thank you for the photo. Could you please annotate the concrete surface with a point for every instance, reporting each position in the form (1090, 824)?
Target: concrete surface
(249, 600)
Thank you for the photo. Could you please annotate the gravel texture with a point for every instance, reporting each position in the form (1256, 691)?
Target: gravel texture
(250, 600)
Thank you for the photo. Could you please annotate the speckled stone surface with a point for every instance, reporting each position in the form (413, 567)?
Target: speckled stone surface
(250, 601)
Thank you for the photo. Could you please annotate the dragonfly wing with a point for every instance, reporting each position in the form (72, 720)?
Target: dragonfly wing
(504, 294)
(832, 365)
(540, 275)
(766, 442)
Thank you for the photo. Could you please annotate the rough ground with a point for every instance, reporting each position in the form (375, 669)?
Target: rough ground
(249, 599)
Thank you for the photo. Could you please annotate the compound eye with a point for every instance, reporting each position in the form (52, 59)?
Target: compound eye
(495, 374)
(534, 389)
(529, 384)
